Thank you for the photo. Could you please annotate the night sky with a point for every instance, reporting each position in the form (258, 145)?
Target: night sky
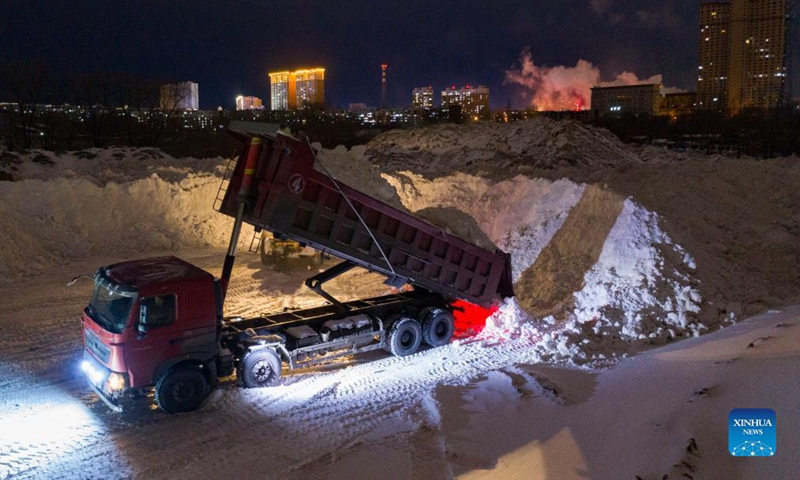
(228, 47)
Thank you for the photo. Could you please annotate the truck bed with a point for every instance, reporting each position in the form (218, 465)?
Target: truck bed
(293, 200)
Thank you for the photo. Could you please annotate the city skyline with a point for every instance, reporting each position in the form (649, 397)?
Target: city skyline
(229, 51)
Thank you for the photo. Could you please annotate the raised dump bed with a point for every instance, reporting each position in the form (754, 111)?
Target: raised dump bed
(293, 200)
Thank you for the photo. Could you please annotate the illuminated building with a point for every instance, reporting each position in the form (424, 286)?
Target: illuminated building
(743, 54)
(474, 102)
(179, 96)
(627, 99)
(422, 98)
(298, 89)
(248, 103)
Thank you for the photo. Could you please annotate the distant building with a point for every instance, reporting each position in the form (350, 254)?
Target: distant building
(248, 103)
(627, 99)
(677, 104)
(298, 89)
(357, 107)
(743, 54)
(474, 102)
(422, 98)
(179, 96)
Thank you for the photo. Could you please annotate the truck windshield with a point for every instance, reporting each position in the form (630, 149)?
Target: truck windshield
(110, 307)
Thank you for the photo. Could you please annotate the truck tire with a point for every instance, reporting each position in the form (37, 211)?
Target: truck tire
(181, 389)
(260, 368)
(403, 337)
(438, 327)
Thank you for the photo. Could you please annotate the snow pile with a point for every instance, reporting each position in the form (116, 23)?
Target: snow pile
(57, 215)
(633, 293)
(594, 273)
(352, 168)
(628, 299)
(494, 149)
(632, 276)
(103, 165)
(640, 288)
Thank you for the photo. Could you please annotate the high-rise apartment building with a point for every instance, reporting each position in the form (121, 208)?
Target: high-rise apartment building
(298, 89)
(714, 52)
(422, 98)
(180, 96)
(248, 103)
(743, 54)
(474, 101)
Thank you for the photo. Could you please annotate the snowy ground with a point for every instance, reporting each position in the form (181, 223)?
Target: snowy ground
(613, 258)
(481, 408)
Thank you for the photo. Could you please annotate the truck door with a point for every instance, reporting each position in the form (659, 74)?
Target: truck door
(159, 336)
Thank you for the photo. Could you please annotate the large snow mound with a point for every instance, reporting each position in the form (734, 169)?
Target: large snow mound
(593, 267)
(118, 202)
(495, 149)
(103, 165)
(638, 288)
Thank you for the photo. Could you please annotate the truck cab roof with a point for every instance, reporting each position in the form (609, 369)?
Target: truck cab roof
(153, 273)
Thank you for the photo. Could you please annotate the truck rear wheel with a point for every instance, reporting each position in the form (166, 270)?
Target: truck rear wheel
(260, 368)
(438, 327)
(181, 389)
(404, 337)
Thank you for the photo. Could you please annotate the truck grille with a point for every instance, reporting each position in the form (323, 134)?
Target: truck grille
(93, 343)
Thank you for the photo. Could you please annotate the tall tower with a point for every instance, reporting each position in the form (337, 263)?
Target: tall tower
(383, 85)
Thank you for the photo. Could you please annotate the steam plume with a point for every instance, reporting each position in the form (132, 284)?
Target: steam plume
(563, 87)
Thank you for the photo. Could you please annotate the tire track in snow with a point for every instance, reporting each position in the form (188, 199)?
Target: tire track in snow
(349, 404)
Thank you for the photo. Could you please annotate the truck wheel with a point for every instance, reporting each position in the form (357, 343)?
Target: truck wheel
(260, 368)
(438, 327)
(181, 389)
(404, 337)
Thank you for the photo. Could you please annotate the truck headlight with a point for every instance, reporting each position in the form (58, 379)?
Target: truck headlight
(116, 382)
(95, 375)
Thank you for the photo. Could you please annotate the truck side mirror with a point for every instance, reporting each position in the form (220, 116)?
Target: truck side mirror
(142, 324)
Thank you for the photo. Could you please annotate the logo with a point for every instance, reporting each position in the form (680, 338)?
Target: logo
(751, 432)
(297, 183)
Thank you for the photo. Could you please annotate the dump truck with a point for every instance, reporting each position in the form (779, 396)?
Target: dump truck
(157, 325)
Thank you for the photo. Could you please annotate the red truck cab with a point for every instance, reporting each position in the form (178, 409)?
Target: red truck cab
(149, 317)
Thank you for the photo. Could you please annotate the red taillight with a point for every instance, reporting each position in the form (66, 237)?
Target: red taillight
(470, 319)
